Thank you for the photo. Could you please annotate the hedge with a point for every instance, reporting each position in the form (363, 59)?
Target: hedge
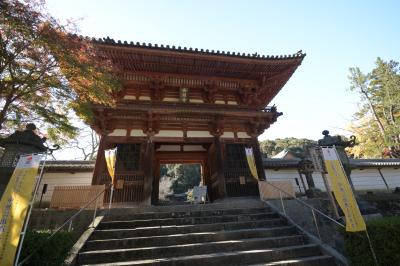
(385, 238)
(51, 252)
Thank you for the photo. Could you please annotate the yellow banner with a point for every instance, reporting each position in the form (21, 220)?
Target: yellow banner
(14, 205)
(111, 157)
(342, 191)
(251, 162)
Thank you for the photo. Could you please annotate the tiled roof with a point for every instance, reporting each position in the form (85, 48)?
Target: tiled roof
(280, 163)
(112, 42)
(355, 163)
(375, 162)
(72, 165)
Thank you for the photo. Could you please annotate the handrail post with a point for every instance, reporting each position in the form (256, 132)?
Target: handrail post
(70, 226)
(95, 211)
(316, 224)
(283, 206)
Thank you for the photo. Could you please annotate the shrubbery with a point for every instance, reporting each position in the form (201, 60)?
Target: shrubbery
(51, 252)
(385, 237)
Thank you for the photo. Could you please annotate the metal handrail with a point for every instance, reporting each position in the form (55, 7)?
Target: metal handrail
(307, 205)
(64, 224)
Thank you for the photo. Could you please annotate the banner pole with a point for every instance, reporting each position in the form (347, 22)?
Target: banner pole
(372, 248)
(23, 233)
(111, 196)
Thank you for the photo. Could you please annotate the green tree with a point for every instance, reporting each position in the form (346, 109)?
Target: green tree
(272, 147)
(185, 176)
(376, 124)
(45, 71)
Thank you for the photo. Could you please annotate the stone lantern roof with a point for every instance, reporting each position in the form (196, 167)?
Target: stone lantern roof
(27, 137)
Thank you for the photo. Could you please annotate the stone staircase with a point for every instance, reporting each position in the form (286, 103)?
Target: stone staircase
(241, 233)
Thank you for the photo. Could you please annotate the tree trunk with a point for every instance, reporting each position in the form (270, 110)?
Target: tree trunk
(372, 107)
(3, 112)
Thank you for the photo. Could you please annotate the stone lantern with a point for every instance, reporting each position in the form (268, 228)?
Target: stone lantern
(18, 143)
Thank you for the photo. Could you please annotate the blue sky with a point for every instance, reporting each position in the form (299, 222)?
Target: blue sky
(335, 35)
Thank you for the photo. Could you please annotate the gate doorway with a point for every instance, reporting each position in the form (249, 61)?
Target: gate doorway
(175, 174)
(177, 182)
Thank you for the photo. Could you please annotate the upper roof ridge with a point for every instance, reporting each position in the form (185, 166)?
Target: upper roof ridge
(109, 41)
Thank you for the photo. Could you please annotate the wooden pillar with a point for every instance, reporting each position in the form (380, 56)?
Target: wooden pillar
(156, 184)
(148, 168)
(220, 167)
(258, 158)
(100, 161)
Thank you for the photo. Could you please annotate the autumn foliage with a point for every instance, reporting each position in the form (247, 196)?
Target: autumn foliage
(46, 71)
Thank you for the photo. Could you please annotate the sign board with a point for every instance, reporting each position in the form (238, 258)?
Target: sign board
(14, 205)
(199, 194)
(342, 190)
(120, 184)
(316, 158)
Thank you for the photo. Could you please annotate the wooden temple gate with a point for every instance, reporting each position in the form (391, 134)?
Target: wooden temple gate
(182, 105)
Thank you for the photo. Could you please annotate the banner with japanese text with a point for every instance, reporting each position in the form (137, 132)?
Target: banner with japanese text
(342, 190)
(111, 158)
(251, 162)
(14, 205)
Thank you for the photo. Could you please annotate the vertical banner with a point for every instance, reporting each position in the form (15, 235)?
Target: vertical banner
(342, 190)
(111, 157)
(251, 162)
(14, 205)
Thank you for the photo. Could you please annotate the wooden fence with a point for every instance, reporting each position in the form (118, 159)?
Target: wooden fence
(75, 197)
(269, 192)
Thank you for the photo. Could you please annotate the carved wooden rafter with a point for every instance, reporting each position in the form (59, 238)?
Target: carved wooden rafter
(217, 127)
(210, 92)
(157, 89)
(257, 126)
(153, 125)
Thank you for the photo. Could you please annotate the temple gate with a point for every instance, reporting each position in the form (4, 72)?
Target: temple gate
(183, 105)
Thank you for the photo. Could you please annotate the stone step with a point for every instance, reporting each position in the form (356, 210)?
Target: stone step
(237, 257)
(322, 260)
(181, 214)
(188, 238)
(184, 229)
(228, 203)
(173, 251)
(186, 220)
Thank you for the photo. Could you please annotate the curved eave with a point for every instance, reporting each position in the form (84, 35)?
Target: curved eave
(255, 57)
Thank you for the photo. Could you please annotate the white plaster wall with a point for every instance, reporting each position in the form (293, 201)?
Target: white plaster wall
(243, 135)
(137, 133)
(169, 148)
(144, 98)
(285, 175)
(62, 179)
(170, 133)
(232, 103)
(196, 101)
(193, 148)
(118, 132)
(199, 134)
(228, 135)
(318, 181)
(171, 99)
(367, 179)
(129, 97)
(220, 102)
(392, 177)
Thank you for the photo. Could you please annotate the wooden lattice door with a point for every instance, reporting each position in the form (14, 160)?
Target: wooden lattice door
(238, 178)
